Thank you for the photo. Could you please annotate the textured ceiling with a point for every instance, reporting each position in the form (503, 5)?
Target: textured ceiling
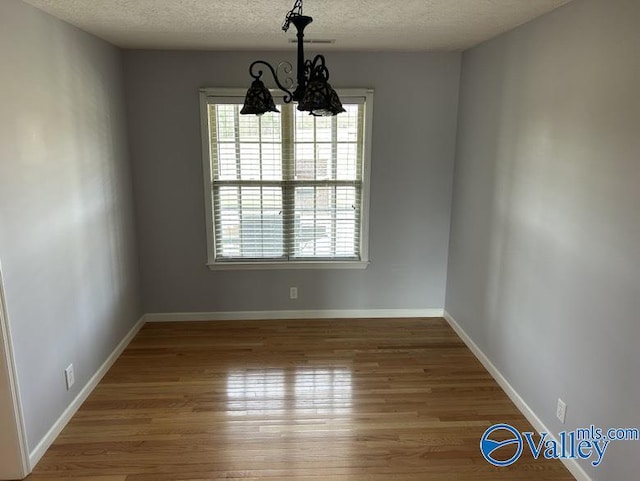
(408, 25)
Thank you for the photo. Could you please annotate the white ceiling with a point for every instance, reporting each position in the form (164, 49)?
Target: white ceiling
(409, 25)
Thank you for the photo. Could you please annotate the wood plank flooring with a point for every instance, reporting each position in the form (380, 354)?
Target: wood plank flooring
(335, 400)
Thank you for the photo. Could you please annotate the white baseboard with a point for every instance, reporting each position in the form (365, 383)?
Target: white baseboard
(68, 413)
(571, 464)
(304, 314)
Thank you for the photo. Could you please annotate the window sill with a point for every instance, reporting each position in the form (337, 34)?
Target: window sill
(242, 266)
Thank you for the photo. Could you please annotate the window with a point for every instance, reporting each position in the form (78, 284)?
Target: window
(286, 190)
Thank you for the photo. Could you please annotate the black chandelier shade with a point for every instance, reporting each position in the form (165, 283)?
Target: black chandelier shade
(313, 92)
(320, 99)
(259, 100)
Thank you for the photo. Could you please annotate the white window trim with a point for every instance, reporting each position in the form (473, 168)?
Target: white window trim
(212, 263)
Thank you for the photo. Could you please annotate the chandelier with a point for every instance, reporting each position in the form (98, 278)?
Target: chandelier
(313, 92)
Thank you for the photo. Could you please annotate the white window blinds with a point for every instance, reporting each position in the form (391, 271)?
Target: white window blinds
(286, 187)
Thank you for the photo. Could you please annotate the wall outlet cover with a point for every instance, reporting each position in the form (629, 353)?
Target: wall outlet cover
(69, 376)
(561, 410)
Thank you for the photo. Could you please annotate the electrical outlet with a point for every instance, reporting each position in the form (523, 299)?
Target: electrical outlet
(69, 376)
(561, 410)
(293, 293)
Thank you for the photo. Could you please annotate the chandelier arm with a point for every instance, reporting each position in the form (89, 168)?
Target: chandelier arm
(286, 69)
(317, 68)
(288, 97)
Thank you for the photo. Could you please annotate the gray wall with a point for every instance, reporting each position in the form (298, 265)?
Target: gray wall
(67, 240)
(412, 164)
(544, 267)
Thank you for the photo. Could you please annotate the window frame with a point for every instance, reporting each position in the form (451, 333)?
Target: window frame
(207, 95)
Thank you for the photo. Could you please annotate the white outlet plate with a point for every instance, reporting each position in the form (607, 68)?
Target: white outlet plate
(561, 410)
(293, 293)
(69, 376)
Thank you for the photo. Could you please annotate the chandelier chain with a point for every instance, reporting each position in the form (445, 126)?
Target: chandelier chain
(294, 12)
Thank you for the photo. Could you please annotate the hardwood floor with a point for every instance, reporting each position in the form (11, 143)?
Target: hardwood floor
(374, 400)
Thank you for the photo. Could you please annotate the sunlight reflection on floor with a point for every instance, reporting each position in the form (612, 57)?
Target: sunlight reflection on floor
(283, 392)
